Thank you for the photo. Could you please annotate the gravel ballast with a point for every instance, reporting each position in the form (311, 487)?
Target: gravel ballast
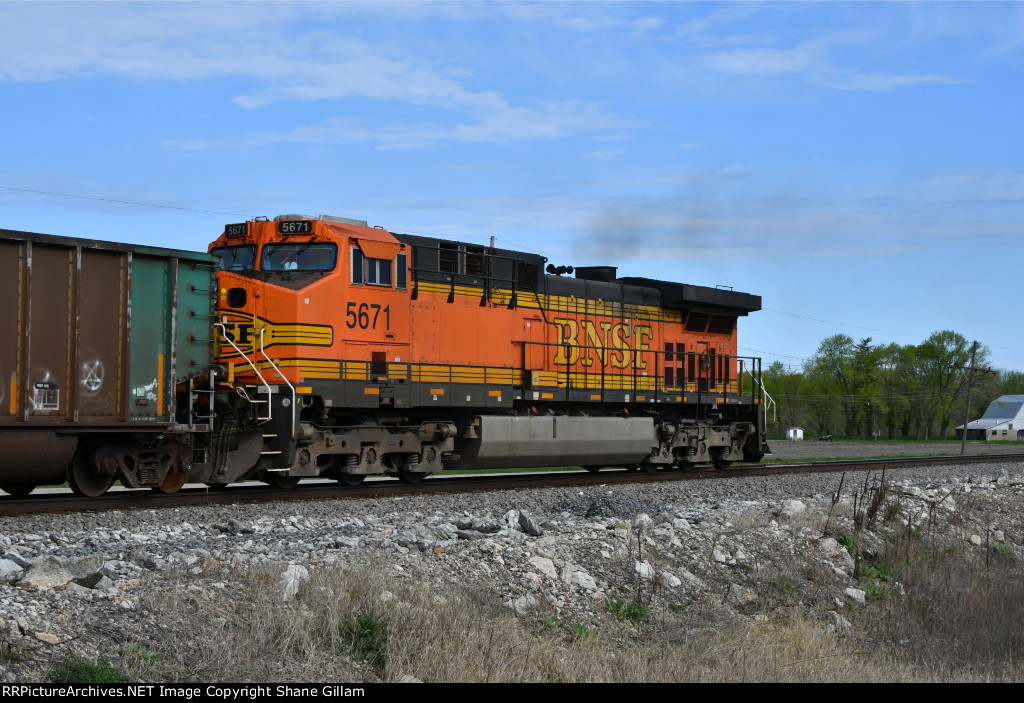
(78, 583)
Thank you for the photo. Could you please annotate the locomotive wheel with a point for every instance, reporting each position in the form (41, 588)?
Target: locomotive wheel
(404, 474)
(83, 477)
(17, 490)
(280, 481)
(718, 459)
(339, 475)
(350, 479)
(412, 477)
(649, 468)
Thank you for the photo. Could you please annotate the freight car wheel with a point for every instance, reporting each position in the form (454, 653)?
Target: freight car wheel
(592, 469)
(172, 482)
(718, 459)
(83, 477)
(18, 490)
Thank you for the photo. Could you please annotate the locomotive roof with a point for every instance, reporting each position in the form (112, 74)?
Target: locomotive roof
(421, 241)
(604, 284)
(683, 296)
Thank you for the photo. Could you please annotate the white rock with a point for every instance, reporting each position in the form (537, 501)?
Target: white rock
(792, 507)
(524, 604)
(668, 580)
(10, 572)
(290, 580)
(838, 624)
(856, 594)
(583, 579)
(545, 566)
(645, 570)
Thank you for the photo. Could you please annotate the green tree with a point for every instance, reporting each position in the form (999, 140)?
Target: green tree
(847, 372)
(942, 360)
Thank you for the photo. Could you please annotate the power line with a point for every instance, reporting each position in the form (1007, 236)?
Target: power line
(122, 202)
(868, 329)
(842, 324)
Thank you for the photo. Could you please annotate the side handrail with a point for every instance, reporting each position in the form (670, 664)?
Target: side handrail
(223, 333)
(263, 351)
(771, 401)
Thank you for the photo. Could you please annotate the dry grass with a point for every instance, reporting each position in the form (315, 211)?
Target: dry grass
(939, 609)
(963, 608)
(467, 636)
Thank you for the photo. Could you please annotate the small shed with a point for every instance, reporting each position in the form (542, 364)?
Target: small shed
(795, 433)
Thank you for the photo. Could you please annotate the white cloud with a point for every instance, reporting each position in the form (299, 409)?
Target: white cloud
(814, 60)
(603, 154)
(497, 122)
(757, 61)
(882, 82)
(268, 45)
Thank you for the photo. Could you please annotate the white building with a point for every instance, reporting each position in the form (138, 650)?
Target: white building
(1004, 419)
(795, 433)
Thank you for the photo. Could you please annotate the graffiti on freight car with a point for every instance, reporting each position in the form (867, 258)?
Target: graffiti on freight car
(617, 345)
(92, 375)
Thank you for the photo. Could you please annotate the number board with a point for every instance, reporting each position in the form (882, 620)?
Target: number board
(294, 227)
(238, 230)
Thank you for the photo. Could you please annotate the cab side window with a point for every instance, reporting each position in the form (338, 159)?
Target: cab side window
(378, 272)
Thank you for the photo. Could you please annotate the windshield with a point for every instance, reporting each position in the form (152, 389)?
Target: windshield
(241, 258)
(305, 256)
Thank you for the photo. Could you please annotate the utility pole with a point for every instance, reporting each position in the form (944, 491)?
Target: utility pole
(970, 382)
(967, 412)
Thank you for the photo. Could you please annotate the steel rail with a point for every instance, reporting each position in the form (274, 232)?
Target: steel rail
(253, 492)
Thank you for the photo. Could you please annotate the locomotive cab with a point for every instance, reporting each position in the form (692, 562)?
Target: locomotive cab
(304, 305)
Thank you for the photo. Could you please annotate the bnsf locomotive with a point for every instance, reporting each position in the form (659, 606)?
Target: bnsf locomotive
(303, 347)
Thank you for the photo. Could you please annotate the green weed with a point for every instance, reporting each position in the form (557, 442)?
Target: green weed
(583, 635)
(846, 539)
(1005, 550)
(73, 669)
(788, 585)
(634, 611)
(367, 638)
(143, 654)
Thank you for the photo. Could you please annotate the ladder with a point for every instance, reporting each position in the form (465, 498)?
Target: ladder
(265, 387)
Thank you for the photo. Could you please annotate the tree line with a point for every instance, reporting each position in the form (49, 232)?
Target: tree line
(860, 389)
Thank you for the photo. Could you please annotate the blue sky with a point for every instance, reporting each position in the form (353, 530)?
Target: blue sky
(858, 165)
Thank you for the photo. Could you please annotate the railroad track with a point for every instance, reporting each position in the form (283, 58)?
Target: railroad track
(58, 501)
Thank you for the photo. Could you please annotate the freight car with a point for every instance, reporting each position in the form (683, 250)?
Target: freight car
(325, 347)
(94, 338)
